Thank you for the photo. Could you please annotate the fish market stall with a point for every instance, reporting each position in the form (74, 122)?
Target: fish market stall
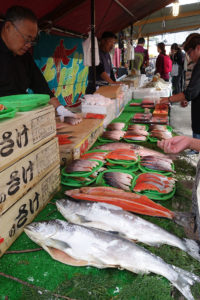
(109, 197)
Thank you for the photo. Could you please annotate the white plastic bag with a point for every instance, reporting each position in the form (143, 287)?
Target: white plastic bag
(174, 71)
(87, 60)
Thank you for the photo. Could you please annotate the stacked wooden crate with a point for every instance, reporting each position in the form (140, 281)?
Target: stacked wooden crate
(29, 170)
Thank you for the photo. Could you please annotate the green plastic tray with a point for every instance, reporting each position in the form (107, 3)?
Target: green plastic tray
(8, 113)
(134, 141)
(153, 195)
(132, 168)
(100, 180)
(154, 139)
(71, 182)
(25, 102)
(95, 150)
(125, 163)
(83, 174)
(147, 170)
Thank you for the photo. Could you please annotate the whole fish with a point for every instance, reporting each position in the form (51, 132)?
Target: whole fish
(113, 218)
(82, 246)
(116, 126)
(81, 165)
(72, 121)
(114, 135)
(118, 179)
(157, 163)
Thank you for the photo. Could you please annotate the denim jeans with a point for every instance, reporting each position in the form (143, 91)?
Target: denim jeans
(196, 135)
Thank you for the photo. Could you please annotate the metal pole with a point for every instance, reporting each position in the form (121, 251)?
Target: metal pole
(93, 43)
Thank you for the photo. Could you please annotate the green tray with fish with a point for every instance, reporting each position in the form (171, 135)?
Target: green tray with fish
(153, 195)
(133, 168)
(8, 113)
(114, 121)
(94, 151)
(75, 183)
(154, 139)
(83, 174)
(147, 170)
(101, 181)
(123, 163)
(135, 141)
(104, 140)
(25, 102)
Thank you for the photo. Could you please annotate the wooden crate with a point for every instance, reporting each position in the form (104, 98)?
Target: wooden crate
(83, 135)
(25, 173)
(24, 210)
(110, 91)
(24, 133)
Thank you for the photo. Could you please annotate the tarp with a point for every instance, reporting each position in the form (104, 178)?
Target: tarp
(75, 15)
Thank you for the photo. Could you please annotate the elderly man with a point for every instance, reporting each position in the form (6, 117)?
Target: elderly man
(18, 69)
(104, 71)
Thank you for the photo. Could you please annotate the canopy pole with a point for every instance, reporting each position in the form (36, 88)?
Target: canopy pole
(93, 44)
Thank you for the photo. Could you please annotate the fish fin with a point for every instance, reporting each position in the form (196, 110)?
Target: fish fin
(183, 281)
(63, 245)
(83, 219)
(63, 257)
(183, 218)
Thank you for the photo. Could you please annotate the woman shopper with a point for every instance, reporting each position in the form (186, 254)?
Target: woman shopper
(163, 64)
(178, 63)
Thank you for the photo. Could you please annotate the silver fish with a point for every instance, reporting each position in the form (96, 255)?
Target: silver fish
(116, 126)
(113, 218)
(81, 246)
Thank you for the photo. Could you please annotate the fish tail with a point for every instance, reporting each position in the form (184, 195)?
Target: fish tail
(184, 281)
(183, 218)
(193, 248)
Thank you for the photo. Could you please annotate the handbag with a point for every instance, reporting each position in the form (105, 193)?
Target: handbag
(174, 71)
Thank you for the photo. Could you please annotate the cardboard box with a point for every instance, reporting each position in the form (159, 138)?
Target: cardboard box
(12, 222)
(109, 91)
(25, 173)
(24, 133)
(83, 137)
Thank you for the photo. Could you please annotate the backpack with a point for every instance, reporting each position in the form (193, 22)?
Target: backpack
(138, 60)
(167, 64)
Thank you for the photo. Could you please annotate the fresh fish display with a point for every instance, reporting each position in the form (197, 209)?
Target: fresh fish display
(72, 121)
(94, 155)
(118, 179)
(139, 150)
(136, 127)
(136, 137)
(114, 135)
(113, 218)
(161, 134)
(154, 182)
(158, 127)
(116, 126)
(138, 131)
(142, 117)
(81, 165)
(82, 246)
(127, 200)
(122, 154)
(157, 163)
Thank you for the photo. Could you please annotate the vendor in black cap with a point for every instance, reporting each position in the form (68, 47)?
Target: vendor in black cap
(104, 71)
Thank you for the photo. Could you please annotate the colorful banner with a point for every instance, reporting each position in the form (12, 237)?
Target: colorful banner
(61, 61)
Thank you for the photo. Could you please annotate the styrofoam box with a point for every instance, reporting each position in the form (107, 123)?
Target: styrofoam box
(150, 92)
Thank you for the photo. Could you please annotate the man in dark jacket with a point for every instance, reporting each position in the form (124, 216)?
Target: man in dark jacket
(104, 71)
(192, 92)
(18, 69)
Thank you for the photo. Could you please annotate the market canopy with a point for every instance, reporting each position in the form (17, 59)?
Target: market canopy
(74, 16)
(163, 21)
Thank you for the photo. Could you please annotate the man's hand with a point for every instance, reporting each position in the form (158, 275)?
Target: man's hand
(164, 100)
(184, 103)
(175, 144)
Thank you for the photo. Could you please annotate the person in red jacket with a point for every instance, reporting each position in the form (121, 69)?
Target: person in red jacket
(161, 61)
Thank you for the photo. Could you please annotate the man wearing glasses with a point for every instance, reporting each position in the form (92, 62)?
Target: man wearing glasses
(18, 69)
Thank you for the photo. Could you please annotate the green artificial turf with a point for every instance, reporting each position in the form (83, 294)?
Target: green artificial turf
(50, 278)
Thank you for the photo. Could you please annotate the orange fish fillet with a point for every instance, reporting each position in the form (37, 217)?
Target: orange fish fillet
(126, 200)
